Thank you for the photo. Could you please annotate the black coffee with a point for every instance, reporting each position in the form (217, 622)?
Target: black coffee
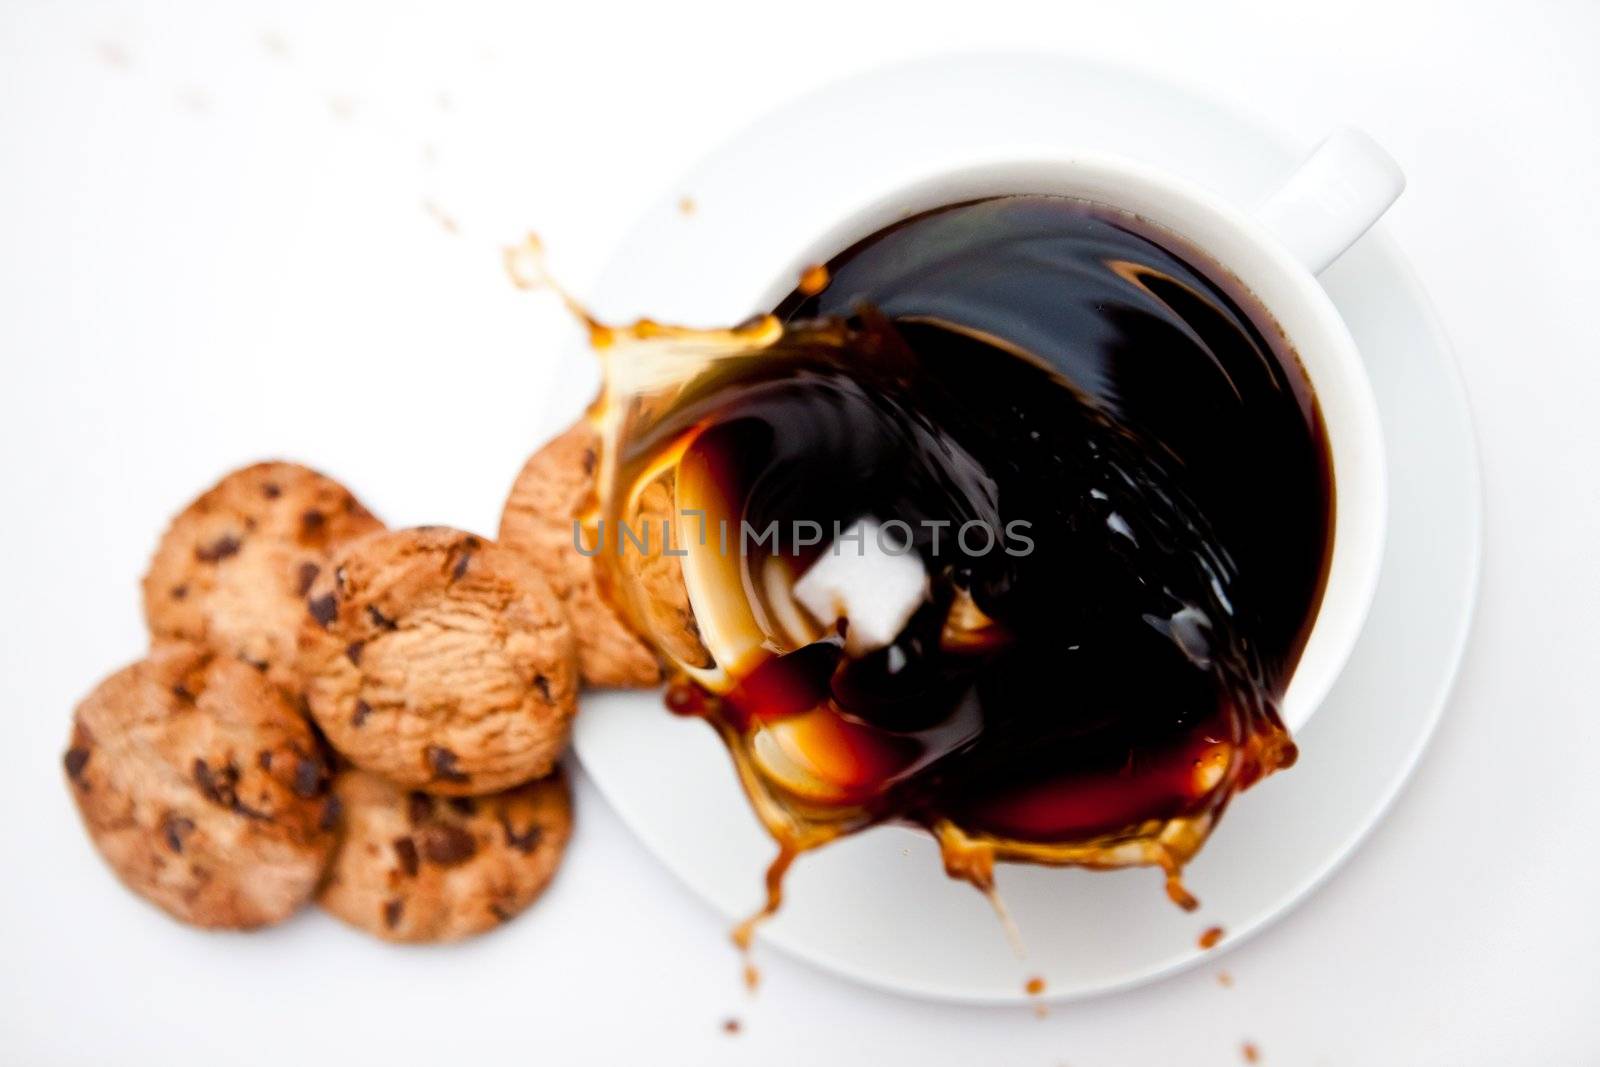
(1084, 387)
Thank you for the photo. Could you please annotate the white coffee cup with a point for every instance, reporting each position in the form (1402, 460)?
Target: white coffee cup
(1335, 195)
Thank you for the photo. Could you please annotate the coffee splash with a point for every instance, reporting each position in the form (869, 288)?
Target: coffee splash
(1095, 701)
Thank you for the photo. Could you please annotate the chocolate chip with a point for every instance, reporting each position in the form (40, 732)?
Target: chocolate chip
(264, 759)
(310, 778)
(379, 619)
(323, 609)
(460, 569)
(204, 779)
(75, 760)
(541, 683)
(591, 458)
(500, 911)
(218, 550)
(259, 664)
(179, 592)
(183, 694)
(463, 805)
(312, 523)
(271, 491)
(405, 850)
(175, 828)
(332, 808)
(352, 651)
(391, 912)
(305, 576)
(524, 842)
(359, 716)
(241, 808)
(443, 763)
(217, 786)
(419, 807)
(448, 845)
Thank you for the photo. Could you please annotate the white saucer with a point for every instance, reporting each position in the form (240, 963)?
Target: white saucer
(877, 908)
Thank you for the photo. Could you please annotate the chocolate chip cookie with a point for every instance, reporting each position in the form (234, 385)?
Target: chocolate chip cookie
(233, 569)
(415, 867)
(554, 487)
(203, 788)
(439, 660)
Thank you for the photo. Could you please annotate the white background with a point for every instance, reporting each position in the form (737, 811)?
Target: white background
(213, 247)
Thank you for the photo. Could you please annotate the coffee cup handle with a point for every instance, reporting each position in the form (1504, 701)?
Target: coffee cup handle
(1332, 198)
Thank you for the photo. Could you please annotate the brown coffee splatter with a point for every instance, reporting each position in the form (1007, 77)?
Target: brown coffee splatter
(112, 55)
(813, 280)
(446, 223)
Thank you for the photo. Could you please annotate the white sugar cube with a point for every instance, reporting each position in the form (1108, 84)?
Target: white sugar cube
(866, 580)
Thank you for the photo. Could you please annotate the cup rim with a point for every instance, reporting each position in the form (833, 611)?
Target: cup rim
(1279, 283)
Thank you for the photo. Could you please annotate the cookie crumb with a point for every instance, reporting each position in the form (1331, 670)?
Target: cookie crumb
(1225, 980)
(732, 1026)
(1250, 1053)
(686, 206)
(1210, 936)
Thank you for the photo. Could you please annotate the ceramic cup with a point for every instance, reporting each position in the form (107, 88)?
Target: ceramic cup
(1275, 251)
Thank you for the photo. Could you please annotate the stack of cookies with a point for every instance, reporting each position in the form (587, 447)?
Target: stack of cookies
(336, 711)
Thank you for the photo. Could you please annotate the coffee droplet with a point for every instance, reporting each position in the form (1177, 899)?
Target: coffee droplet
(813, 279)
